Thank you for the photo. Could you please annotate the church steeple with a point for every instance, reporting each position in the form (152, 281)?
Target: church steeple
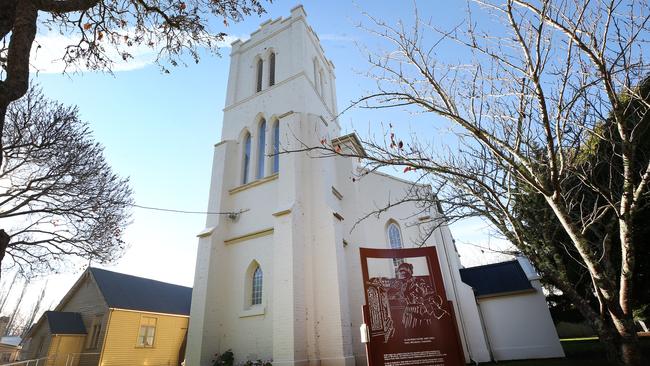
(278, 52)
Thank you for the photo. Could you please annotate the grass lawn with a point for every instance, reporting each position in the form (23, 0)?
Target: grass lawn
(579, 352)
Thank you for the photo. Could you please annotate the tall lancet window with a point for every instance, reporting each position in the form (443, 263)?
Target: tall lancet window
(316, 74)
(276, 146)
(246, 158)
(272, 69)
(256, 288)
(260, 72)
(261, 153)
(395, 241)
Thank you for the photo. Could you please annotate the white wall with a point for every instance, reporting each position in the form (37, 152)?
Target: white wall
(520, 326)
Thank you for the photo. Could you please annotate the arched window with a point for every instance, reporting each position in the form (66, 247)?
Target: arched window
(395, 242)
(276, 146)
(246, 157)
(272, 69)
(322, 82)
(394, 236)
(261, 145)
(256, 287)
(260, 71)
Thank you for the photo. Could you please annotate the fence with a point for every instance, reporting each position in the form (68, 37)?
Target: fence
(69, 361)
(34, 362)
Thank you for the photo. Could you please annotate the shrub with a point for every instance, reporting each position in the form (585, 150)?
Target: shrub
(225, 359)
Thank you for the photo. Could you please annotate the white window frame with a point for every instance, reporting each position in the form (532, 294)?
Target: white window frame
(147, 332)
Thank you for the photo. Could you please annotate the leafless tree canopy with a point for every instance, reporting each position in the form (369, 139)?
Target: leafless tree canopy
(172, 28)
(550, 100)
(58, 196)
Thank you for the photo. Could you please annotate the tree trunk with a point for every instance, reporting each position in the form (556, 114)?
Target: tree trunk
(629, 344)
(609, 342)
(4, 242)
(3, 116)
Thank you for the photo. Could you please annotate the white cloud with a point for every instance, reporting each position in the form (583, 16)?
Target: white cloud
(336, 37)
(48, 50)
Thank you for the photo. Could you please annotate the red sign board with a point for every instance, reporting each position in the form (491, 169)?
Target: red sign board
(409, 320)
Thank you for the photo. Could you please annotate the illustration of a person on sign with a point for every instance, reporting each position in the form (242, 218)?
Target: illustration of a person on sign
(422, 304)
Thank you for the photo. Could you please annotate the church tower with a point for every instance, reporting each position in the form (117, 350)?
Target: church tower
(280, 279)
(270, 281)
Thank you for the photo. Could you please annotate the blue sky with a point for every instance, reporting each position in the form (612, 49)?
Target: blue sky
(159, 129)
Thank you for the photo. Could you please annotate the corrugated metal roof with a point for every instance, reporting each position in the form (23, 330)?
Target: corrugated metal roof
(497, 278)
(136, 293)
(63, 322)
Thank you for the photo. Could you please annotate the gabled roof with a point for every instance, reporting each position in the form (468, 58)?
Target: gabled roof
(128, 292)
(352, 141)
(63, 322)
(496, 279)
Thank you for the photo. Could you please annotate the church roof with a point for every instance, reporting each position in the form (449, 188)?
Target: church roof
(64, 322)
(122, 291)
(496, 279)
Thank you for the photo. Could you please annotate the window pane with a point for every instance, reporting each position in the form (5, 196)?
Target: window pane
(150, 335)
(394, 236)
(276, 147)
(256, 296)
(260, 67)
(96, 330)
(142, 335)
(272, 69)
(261, 156)
(395, 241)
(247, 157)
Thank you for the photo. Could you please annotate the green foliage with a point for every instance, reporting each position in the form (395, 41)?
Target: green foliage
(599, 160)
(225, 359)
(641, 313)
(228, 359)
(258, 363)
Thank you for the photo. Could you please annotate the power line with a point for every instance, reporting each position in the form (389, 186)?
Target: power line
(174, 210)
(188, 212)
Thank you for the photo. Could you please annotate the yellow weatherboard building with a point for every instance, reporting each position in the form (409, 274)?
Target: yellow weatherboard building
(113, 319)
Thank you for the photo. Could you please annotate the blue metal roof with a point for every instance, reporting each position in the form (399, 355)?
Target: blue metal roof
(136, 293)
(497, 278)
(63, 322)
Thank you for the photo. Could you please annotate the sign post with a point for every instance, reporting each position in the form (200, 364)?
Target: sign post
(408, 319)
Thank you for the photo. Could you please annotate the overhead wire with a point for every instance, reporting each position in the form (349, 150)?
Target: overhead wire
(175, 210)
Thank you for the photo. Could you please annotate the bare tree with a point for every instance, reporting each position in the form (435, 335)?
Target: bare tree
(552, 101)
(58, 195)
(5, 293)
(36, 309)
(15, 315)
(173, 28)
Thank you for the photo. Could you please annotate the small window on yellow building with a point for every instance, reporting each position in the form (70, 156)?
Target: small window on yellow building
(147, 332)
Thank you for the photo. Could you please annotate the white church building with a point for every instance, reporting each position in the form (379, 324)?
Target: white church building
(282, 280)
